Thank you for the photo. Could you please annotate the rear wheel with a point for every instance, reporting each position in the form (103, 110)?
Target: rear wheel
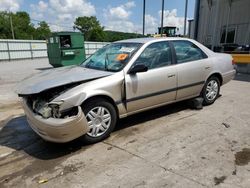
(101, 117)
(211, 90)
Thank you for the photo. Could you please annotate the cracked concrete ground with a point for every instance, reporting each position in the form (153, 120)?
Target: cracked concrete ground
(171, 146)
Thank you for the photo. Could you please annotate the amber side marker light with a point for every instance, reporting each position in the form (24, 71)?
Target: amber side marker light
(233, 63)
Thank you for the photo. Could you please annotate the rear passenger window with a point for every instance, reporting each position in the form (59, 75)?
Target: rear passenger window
(187, 51)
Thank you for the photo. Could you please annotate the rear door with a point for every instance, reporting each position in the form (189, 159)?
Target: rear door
(158, 84)
(192, 67)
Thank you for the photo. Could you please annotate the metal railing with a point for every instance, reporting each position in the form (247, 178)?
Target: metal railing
(22, 49)
(29, 49)
(91, 47)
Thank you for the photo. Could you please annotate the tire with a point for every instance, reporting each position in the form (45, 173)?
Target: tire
(101, 116)
(211, 90)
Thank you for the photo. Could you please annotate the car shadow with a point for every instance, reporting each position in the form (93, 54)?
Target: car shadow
(149, 115)
(242, 77)
(44, 68)
(18, 135)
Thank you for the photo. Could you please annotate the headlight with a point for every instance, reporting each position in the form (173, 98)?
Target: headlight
(57, 112)
(55, 108)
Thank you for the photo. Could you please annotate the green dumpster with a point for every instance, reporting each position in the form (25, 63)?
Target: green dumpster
(66, 48)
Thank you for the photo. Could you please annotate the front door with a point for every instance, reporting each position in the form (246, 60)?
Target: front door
(155, 86)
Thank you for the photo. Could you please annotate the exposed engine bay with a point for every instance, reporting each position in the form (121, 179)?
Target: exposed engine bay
(40, 103)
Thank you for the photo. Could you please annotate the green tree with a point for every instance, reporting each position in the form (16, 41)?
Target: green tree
(23, 28)
(42, 31)
(112, 36)
(90, 27)
(97, 34)
(5, 31)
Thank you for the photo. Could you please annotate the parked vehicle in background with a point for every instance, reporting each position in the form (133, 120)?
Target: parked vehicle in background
(123, 78)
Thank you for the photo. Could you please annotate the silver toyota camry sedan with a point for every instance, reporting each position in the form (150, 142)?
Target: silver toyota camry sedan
(123, 78)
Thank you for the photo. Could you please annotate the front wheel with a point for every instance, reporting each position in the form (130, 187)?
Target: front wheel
(101, 117)
(211, 90)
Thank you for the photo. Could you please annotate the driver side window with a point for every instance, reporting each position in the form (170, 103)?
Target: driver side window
(155, 55)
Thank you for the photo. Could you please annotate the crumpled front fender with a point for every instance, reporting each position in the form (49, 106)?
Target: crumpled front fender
(69, 101)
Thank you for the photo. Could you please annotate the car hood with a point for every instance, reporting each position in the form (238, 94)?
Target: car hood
(58, 77)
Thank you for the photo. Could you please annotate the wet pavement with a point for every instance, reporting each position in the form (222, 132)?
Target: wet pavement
(171, 146)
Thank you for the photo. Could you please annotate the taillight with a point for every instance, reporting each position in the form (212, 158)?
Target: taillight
(233, 62)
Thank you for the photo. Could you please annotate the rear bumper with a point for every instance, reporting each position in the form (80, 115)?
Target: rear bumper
(57, 130)
(228, 76)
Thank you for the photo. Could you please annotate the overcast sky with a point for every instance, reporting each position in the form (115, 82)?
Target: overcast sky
(118, 15)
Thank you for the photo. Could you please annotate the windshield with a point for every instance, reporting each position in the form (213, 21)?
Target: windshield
(112, 57)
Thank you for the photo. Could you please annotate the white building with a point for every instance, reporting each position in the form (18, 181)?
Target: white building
(218, 22)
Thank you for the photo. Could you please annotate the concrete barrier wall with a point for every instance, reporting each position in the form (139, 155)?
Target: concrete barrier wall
(29, 49)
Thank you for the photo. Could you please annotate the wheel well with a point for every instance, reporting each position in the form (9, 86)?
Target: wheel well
(103, 97)
(217, 75)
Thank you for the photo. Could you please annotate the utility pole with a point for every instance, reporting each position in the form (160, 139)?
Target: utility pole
(11, 26)
(185, 19)
(143, 20)
(162, 14)
(196, 18)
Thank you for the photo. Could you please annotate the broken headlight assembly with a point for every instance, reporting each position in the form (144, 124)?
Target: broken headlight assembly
(45, 109)
(57, 113)
(46, 105)
(55, 109)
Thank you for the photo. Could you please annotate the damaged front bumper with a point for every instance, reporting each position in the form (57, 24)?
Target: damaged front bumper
(57, 129)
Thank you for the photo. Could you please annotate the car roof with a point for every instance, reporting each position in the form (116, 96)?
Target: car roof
(150, 39)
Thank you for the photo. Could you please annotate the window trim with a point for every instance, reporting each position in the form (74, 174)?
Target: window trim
(205, 56)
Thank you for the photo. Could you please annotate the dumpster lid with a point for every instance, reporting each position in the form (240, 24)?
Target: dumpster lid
(66, 33)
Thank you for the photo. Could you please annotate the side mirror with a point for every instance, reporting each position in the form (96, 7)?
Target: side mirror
(138, 68)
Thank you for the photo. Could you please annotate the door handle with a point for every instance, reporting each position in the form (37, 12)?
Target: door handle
(171, 75)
